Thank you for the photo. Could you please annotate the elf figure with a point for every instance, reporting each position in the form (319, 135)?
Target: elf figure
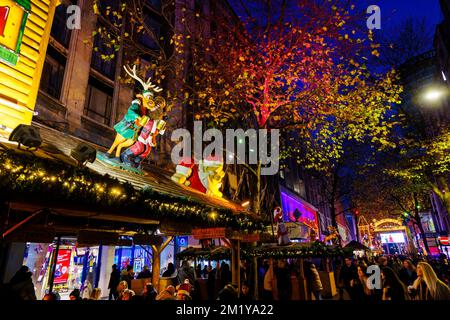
(206, 176)
(128, 129)
(282, 232)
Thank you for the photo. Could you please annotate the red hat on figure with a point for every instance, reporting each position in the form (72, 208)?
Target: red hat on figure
(277, 215)
(184, 288)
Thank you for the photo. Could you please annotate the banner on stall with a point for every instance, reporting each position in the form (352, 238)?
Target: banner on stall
(208, 233)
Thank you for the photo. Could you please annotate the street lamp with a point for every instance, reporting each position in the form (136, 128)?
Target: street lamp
(434, 94)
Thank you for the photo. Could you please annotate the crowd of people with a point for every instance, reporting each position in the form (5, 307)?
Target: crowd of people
(400, 278)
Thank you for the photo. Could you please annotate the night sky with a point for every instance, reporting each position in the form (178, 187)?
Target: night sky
(393, 12)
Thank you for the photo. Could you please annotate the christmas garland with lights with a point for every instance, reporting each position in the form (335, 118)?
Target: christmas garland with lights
(307, 250)
(220, 253)
(27, 178)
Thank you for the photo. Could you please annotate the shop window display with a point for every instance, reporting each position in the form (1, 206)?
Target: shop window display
(73, 266)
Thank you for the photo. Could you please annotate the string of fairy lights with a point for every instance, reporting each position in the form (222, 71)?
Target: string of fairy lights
(29, 178)
(316, 250)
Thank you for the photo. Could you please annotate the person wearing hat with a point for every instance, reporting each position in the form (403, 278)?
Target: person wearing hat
(184, 291)
(75, 295)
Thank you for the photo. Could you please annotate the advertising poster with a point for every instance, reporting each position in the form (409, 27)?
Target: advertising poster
(62, 266)
(396, 237)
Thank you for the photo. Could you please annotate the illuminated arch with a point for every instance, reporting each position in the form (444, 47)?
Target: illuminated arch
(386, 221)
(388, 225)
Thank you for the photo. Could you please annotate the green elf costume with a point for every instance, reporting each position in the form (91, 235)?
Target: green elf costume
(129, 126)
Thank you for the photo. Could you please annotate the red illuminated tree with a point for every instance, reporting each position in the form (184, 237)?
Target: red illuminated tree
(299, 66)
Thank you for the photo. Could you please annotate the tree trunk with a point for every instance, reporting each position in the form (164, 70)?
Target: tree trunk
(357, 228)
(257, 210)
(257, 197)
(418, 221)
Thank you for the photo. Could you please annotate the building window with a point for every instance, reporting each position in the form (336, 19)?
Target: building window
(99, 101)
(59, 27)
(100, 60)
(53, 73)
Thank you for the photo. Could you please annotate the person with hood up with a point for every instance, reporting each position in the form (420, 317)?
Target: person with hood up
(22, 285)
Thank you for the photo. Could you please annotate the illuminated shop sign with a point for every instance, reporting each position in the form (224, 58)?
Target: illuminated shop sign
(297, 210)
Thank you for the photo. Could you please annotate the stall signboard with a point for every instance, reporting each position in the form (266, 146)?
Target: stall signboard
(182, 241)
(250, 237)
(208, 233)
(62, 266)
(25, 28)
(254, 237)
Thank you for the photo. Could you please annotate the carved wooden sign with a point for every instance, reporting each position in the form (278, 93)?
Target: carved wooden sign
(208, 233)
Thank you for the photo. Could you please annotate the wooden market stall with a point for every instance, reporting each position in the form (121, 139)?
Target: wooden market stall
(46, 193)
(297, 253)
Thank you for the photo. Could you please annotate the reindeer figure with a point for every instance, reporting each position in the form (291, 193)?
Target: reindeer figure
(136, 117)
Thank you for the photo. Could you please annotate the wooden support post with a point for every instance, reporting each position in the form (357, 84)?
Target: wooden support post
(238, 266)
(302, 282)
(233, 262)
(53, 265)
(156, 264)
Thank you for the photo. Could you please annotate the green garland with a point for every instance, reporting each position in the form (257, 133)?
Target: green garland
(220, 253)
(307, 250)
(26, 177)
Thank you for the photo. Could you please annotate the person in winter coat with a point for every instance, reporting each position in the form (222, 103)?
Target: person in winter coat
(114, 282)
(75, 295)
(144, 274)
(268, 283)
(149, 292)
(283, 276)
(314, 280)
(96, 294)
(347, 273)
(228, 294)
(360, 286)
(127, 275)
(22, 285)
(225, 274)
(393, 287)
(186, 272)
(167, 294)
(427, 285)
(86, 290)
(245, 295)
(170, 270)
(123, 285)
(407, 273)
